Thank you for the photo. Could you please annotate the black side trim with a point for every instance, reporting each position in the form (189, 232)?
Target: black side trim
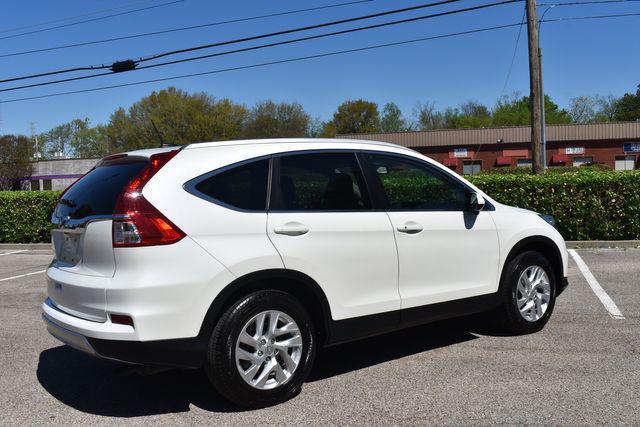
(362, 327)
(190, 352)
(563, 285)
(182, 353)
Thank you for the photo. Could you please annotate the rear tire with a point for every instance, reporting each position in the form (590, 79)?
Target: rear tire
(527, 294)
(256, 368)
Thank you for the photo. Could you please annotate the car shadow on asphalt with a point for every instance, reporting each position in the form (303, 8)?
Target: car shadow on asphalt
(108, 388)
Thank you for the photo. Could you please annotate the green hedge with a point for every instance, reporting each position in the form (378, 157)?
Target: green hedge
(25, 216)
(587, 205)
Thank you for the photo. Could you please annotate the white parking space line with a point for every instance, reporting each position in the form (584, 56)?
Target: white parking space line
(22, 275)
(602, 295)
(14, 252)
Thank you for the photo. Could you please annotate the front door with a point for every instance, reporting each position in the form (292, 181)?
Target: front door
(445, 252)
(321, 222)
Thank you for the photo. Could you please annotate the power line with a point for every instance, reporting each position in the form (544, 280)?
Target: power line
(515, 51)
(584, 18)
(100, 18)
(95, 12)
(578, 3)
(264, 64)
(245, 39)
(303, 58)
(351, 30)
(191, 27)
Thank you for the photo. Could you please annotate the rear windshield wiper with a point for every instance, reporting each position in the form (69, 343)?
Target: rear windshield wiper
(68, 202)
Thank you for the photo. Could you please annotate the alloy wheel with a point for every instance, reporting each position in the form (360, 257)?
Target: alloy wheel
(533, 293)
(268, 349)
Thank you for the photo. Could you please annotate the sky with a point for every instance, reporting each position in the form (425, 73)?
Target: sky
(580, 57)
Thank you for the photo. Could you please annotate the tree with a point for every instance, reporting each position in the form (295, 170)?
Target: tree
(75, 139)
(428, 117)
(228, 120)
(392, 119)
(606, 108)
(592, 109)
(627, 108)
(515, 111)
(583, 109)
(355, 116)
(180, 117)
(15, 153)
(270, 120)
(470, 114)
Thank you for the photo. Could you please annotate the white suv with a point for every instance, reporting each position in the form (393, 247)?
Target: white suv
(245, 257)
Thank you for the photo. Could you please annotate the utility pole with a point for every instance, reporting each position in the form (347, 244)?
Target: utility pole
(543, 121)
(535, 97)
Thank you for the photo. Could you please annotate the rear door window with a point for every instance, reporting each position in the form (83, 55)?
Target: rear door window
(239, 187)
(96, 193)
(318, 182)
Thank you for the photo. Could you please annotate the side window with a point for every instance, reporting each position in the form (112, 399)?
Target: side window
(318, 182)
(410, 185)
(242, 187)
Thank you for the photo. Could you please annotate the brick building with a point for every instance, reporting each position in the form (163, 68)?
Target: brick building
(468, 151)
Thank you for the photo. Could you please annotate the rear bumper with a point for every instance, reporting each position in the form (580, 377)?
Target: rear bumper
(184, 353)
(70, 338)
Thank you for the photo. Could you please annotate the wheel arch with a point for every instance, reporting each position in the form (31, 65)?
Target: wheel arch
(543, 245)
(298, 284)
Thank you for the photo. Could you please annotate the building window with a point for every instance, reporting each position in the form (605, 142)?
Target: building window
(46, 184)
(471, 167)
(625, 163)
(524, 163)
(582, 161)
(35, 185)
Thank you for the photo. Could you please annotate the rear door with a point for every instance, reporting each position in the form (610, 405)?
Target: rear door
(445, 253)
(82, 236)
(322, 223)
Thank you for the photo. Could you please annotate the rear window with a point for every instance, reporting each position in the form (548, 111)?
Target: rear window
(97, 192)
(241, 187)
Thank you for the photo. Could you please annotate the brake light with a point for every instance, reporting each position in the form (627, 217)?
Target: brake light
(136, 222)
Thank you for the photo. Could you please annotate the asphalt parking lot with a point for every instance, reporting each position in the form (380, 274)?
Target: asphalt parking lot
(583, 368)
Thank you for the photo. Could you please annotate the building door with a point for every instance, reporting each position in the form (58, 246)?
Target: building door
(471, 167)
(524, 163)
(581, 161)
(625, 163)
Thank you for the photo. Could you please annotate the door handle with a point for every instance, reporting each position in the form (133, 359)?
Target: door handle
(410, 228)
(292, 229)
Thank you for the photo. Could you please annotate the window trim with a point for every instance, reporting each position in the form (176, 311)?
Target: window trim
(190, 186)
(367, 186)
(373, 184)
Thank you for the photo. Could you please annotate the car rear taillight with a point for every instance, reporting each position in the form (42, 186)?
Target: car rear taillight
(136, 222)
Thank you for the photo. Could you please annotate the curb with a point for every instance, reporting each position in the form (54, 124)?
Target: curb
(27, 246)
(602, 244)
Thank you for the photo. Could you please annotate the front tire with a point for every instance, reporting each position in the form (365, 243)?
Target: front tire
(261, 350)
(527, 294)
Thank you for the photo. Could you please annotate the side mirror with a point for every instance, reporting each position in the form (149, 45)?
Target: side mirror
(476, 202)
